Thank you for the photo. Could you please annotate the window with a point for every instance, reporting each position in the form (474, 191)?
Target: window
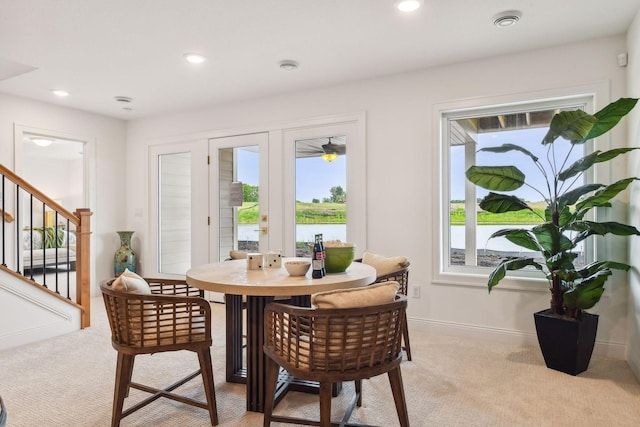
(465, 235)
(321, 196)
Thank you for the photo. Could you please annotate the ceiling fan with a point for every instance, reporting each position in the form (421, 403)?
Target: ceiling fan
(329, 148)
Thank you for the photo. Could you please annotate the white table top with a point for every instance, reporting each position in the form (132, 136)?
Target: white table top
(232, 277)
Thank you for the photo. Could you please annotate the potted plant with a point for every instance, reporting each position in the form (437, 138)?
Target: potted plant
(565, 225)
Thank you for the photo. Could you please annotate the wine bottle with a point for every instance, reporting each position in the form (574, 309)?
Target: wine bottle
(316, 261)
(323, 256)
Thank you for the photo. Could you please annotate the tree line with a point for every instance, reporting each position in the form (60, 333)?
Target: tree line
(338, 195)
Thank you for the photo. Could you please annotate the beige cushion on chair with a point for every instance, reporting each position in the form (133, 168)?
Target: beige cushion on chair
(129, 281)
(376, 294)
(383, 265)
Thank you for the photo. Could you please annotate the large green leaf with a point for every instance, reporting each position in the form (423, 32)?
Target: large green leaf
(561, 262)
(520, 237)
(609, 117)
(496, 178)
(551, 239)
(586, 293)
(504, 148)
(612, 154)
(563, 217)
(571, 197)
(571, 125)
(588, 228)
(509, 264)
(602, 196)
(500, 203)
(596, 266)
(578, 166)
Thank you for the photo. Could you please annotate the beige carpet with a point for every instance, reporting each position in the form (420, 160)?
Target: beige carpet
(68, 381)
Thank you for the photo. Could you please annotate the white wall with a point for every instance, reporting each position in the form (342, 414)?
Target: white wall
(633, 81)
(108, 134)
(399, 111)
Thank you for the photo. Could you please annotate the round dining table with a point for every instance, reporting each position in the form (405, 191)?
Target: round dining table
(235, 280)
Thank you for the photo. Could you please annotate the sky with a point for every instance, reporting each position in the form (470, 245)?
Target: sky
(527, 138)
(314, 175)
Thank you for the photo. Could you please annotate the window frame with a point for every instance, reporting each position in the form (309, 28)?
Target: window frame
(445, 274)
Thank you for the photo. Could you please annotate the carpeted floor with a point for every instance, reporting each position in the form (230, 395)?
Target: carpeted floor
(68, 381)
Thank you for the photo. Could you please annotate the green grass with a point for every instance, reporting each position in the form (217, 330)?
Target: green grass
(336, 213)
(485, 218)
(306, 213)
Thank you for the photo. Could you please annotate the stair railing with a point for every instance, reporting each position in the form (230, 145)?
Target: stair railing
(47, 246)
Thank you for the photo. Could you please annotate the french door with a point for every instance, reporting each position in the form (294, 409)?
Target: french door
(238, 184)
(216, 195)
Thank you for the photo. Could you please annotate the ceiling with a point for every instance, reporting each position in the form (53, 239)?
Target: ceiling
(98, 50)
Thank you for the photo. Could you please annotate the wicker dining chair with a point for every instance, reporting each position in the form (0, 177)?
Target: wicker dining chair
(402, 277)
(334, 345)
(173, 317)
(3, 413)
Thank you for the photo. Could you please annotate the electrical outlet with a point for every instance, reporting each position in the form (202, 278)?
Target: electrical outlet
(415, 291)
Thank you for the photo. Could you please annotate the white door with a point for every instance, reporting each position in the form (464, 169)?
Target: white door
(239, 195)
(179, 207)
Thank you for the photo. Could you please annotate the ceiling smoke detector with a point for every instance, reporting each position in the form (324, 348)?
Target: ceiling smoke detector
(506, 19)
(288, 65)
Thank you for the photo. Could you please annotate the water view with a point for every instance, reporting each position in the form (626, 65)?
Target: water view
(304, 232)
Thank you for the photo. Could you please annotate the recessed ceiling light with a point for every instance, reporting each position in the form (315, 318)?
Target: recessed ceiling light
(288, 65)
(42, 142)
(194, 58)
(408, 5)
(59, 92)
(506, 19)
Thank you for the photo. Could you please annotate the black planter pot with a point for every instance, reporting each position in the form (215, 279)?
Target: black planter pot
(566, 344)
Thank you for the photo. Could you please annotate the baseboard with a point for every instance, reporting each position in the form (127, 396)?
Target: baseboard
(506, 336)
(29, 315)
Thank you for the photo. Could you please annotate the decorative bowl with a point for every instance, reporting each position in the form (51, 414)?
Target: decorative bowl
(338, 258)
(297, 268)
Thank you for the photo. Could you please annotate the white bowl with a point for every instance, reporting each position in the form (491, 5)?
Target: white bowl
(297, 268)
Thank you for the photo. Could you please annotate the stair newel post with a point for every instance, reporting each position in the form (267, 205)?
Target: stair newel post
(83, 265)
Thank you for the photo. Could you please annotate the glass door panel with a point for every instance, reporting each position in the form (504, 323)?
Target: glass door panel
(320, 191)
(238, 198)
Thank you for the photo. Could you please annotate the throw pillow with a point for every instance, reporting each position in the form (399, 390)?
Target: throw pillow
(376, 294)
(129, 281)
(384, 265)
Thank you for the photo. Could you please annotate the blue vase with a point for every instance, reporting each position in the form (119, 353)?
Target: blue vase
(125, 257)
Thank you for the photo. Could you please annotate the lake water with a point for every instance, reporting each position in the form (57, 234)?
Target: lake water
(483, 242)
(305, 232)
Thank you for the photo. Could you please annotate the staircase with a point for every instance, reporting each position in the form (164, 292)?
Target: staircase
(44, 264)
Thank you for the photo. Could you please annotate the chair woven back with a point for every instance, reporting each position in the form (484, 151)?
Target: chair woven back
(335, 344)
(173, 317)
(3, 413)
(401, 276)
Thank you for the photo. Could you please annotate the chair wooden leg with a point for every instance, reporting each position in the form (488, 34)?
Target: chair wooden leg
(405, 337)
(397, 389)
(124, 371)
(204, 356)
(358, 386)
(325, 404)
(270, 390)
